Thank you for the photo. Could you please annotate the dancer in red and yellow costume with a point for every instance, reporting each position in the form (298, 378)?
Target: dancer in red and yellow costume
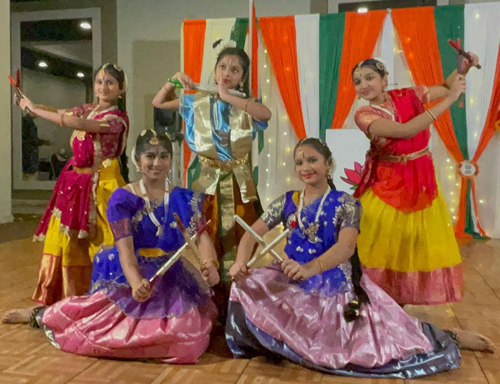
(406, 243)
(74, 225)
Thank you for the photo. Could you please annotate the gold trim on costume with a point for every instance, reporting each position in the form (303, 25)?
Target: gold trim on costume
(404, 158)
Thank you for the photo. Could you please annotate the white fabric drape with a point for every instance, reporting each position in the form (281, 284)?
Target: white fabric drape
(216, 29)
(307, 41)
(482, 36)
(276, 167)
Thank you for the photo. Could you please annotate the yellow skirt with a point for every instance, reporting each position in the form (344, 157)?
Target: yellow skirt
(413, 256)
(66, 265)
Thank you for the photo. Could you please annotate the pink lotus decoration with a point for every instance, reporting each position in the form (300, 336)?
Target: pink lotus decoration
(353, 175)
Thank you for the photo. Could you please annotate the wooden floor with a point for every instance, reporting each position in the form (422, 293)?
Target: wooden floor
(27, 357)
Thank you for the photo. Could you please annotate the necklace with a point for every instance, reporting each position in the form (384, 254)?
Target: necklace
(312, 229)
(149, 210)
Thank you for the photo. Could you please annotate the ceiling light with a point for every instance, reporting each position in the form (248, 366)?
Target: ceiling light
(43, 64)
(85, 25)
(81, 75)
(362, 10)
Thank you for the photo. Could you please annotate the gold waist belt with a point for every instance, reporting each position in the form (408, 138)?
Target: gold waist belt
(407, 156)
(224, 166)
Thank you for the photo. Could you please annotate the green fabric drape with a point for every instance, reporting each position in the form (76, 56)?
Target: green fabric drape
(331, 40)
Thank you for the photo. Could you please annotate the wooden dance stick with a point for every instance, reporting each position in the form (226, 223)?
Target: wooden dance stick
(268, 248)
(260, 240)
(177, 255)
(209, 88)
(191, 243)
(461, 52)
(16, 85)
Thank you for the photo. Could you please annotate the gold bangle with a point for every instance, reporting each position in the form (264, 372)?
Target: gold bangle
(431, 115)
(246, 105)
(320, 265)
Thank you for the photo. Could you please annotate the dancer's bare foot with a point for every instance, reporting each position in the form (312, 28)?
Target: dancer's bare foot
(17, 316)
(474, 341)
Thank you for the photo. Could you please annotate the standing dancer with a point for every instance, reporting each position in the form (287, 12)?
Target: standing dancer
(406, 245)
(219, 129)
(74, 225)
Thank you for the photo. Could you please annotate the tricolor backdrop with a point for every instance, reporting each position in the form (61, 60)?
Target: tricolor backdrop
(304, 77)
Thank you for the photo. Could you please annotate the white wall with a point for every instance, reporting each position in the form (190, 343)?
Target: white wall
(5, 133)
(56, 91)
(149, 42)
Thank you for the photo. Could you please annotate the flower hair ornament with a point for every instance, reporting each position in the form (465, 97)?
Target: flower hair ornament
(117, 68)
(381, 65)
(218, 45)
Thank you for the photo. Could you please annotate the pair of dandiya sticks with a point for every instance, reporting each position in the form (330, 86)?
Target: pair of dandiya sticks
(190, 241)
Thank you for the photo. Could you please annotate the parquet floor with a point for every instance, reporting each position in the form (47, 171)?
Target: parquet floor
(26, 357)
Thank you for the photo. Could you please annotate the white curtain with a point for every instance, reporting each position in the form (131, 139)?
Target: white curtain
(307, 36)
(216, 29)
(482, 36)
(276, 175)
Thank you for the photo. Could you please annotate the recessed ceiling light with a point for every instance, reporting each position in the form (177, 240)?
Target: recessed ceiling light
(85, 25)
(81, 75)
(43, 64)
(362, 10)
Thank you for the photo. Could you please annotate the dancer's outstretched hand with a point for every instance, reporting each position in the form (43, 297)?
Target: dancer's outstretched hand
(210, 274)
(470, 64)
(239, 270)
(296, 271)
(457, 88)
(142, 290)
(186, 80)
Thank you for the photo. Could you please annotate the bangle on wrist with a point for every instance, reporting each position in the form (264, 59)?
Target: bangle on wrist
(431, 115)
(320, 265)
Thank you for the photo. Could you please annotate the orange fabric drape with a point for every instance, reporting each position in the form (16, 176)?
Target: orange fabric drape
(279, 37)
(194, 40)
(360, 37)
(417, 32)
